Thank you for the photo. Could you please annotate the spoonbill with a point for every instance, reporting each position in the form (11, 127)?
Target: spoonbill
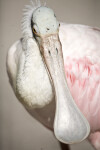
(54, 70)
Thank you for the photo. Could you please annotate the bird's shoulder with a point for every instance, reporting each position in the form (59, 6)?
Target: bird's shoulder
(79, 41)
(78, 27)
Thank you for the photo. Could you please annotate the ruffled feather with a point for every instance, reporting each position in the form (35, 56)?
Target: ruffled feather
(27, 15)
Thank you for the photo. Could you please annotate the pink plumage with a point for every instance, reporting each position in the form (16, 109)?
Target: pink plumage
(83, 79)
(82, 68)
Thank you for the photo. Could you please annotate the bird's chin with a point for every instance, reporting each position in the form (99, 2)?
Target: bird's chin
(70, 126)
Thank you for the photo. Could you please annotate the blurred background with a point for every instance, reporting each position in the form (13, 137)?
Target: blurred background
(18, 130)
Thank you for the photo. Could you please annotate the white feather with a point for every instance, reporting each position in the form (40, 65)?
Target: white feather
(27, 14)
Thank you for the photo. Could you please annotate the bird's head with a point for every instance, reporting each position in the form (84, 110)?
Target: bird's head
(45, 27)
(44, 22)
(70, 126)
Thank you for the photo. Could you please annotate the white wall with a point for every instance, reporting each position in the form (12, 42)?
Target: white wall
(18, 130)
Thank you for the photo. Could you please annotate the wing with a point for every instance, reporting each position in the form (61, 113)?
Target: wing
(81, 51)
(12, 62)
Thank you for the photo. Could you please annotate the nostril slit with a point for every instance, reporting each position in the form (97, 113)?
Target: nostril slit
(57, 50)
(48, 29)
(49, 52)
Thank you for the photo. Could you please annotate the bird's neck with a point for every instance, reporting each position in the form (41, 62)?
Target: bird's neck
(31, 75)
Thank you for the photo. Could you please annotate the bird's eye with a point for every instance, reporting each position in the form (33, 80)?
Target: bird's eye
(34, 31)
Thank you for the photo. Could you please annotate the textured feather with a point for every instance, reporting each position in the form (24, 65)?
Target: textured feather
(27, 15)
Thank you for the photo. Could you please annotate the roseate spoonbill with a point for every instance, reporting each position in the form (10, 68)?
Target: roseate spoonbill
(46, 86)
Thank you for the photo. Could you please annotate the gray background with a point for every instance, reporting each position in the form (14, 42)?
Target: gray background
(18, 130)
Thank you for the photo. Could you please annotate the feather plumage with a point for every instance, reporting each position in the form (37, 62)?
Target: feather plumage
(27, 15)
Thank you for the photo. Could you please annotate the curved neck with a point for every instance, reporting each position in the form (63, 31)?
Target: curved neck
(33, 86)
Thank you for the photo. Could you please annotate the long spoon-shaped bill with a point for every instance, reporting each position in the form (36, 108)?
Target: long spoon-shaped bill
(70, 126)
